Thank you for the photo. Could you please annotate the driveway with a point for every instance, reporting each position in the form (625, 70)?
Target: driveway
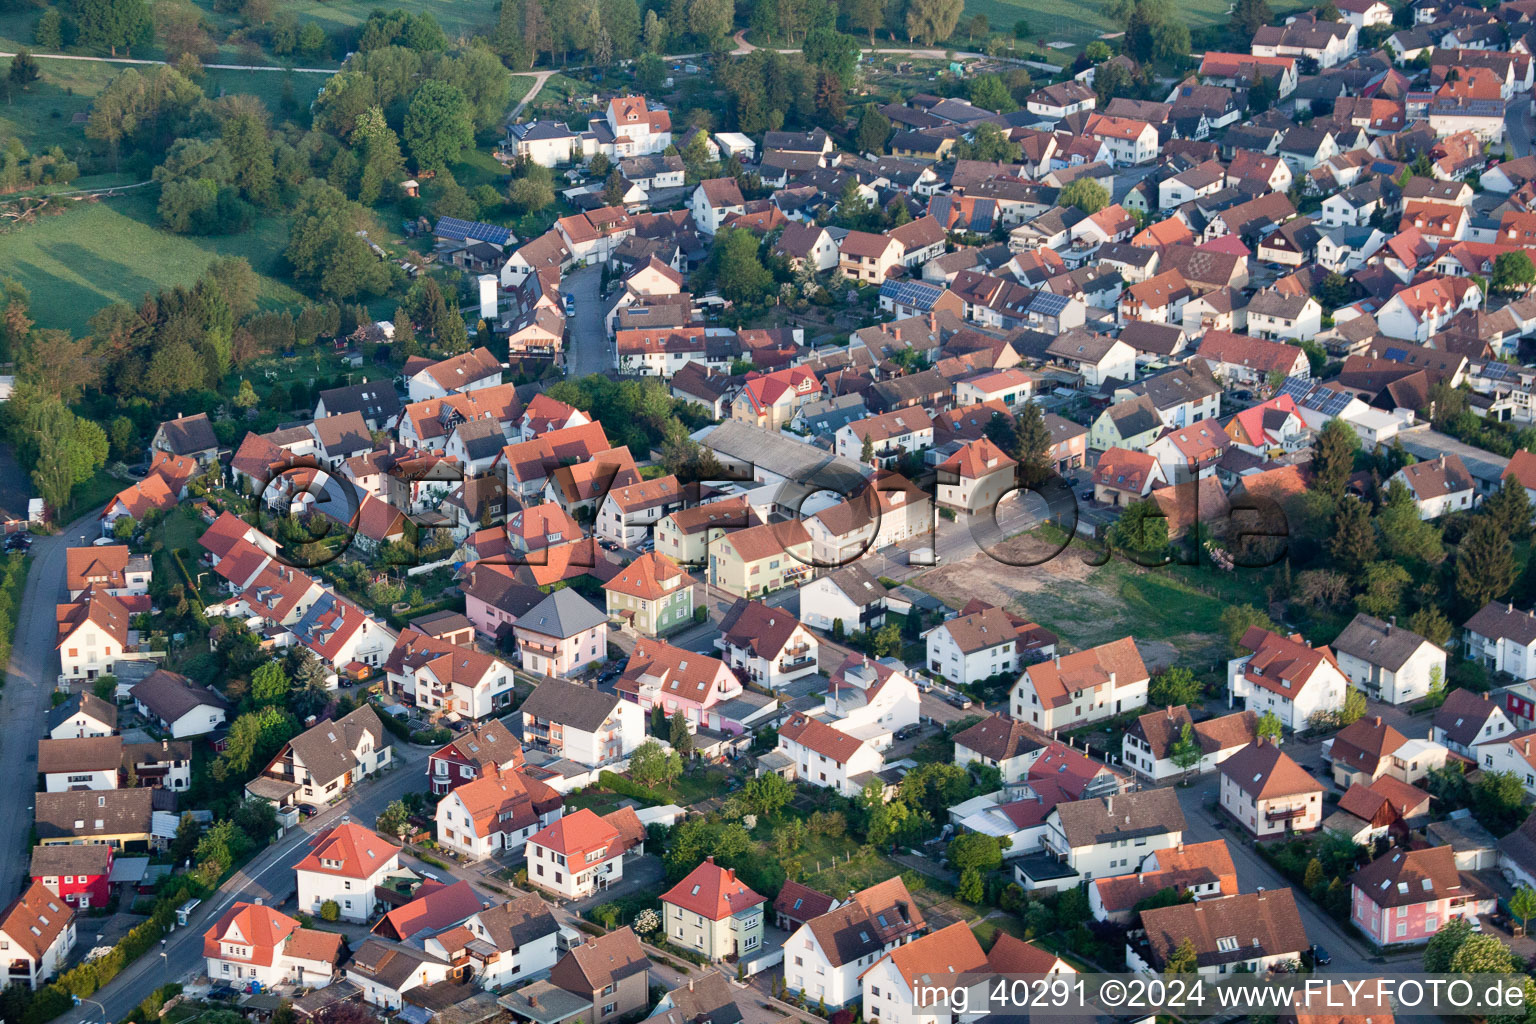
(587, 342)
(1517, 125)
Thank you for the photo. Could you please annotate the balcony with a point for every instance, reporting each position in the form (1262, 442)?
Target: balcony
(1284, 813)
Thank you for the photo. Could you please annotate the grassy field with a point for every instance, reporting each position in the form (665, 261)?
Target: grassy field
(104, 252)
(1080, 23)
(457, 17)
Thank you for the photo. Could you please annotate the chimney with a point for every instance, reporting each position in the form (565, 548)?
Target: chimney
(1378, 719)
(1390, 623)
(533, 1000)
(710, 859)
(690, 984)
(1109, 804)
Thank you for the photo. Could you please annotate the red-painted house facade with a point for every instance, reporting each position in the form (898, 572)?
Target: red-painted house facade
(76, 874)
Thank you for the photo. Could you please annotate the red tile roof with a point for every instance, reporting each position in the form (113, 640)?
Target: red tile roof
(713, 892)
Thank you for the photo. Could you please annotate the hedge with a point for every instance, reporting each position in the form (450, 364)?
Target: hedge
(628, 787)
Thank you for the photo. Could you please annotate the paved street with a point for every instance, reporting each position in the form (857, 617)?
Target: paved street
(30, 678)
(1255, 873)
(587, 350)
(269, 876)
(1517, 125)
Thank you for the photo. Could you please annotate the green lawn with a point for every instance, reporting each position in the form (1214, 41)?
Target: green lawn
(457, 17)
(97, 253)
(1080, 23)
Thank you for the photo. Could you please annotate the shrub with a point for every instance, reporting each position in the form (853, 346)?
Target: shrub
(330, 911)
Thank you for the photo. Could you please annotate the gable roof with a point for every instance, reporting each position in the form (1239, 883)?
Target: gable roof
(713, 892)
(1228, 929)
(583, 708)
(1265, 772)
(326, 748)
(347, 851)
(1107, 819)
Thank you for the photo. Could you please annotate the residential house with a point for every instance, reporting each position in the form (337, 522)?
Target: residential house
(1439, 486)
(1387, 662)
(651, 595)
(82, 714)
(1406, 896)
(825, 957)
(580, 723)
(108, 568)
(561, 635)
(1075, 689)
(714, 913)
(1286, 676)
(482, 748)
(847, 599)
(611, 972)
(253, 943)
(975, 478)
(768, 646)
(343, 866)
(446, 680)
(1243, 933)
(120, 818)
(495, 812)
(1000, 742)
(1099, 836)
(828, 758)
(1122, 476)
(581, 853)
(325, 760)
(178, 706)
(1151, 747)
(868, 258)
(760, 559)
(78, 875)
(1268, 793)
(1468, 719)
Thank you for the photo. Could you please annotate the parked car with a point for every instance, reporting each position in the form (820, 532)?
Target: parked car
(308, 810)
(958, 700)
(1087, 495)
(906, 732)
(1321, 956)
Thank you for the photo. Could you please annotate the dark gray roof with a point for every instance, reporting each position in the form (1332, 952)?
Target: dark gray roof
(89, 703)
(1126, 816)
(708, 998)
(562, 614)
(580, 707)
(168, 696)
(1462, 715)
(1175, 386)
(391, 964)
(103, 812)
(855, 581)
(1137, 416)
(189, 435)
(376, 400)
(519, 921)
(326, 749)
(1378, 643)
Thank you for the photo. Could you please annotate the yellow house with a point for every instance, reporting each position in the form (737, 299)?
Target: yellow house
(687, 535)
(761, 559)
(1131, 425)
(712, 912)
(119, 818)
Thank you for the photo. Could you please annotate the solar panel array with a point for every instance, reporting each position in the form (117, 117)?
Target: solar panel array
(473, 230)
(1317, 397)
(1048, 303)
(910, 293)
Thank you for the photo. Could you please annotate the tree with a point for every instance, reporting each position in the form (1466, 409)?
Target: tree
(650, 72)
(928, 21)
(975, 851)
(325, 250)
(393, 820)
(269, 684)
(678, 733)
(1354, 539)
(1085, 194)
(529, 195)
(1185, 752)
(1354, 706)
(1512, 271)
(1498, 801)
(109, 24)
(1482, 954)
(1237, 619)
(1032, 446)
(1142, 529)
(990, 144)
(1175, 687)
(1444, 943)
(971, 888)
(1314, 875)
(651, 765)
(1270, 727)
(438, 125)
(1404, 534)
(1485, 564)
(330, 911)
(989, 93)
(867, 452)
(865, 15)
(23, 70)
(1184, 959)
(1097, 52)
(1510, 507)
(886, 641)
(768, 794)
(48, 33)
(614, 188)
(246, 397)
(832, 51)
(737, 269)
(874, 128)
(1248, 16)
(1333, 457)
(1523, 905)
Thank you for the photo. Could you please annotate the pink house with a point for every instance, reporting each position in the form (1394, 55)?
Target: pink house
(1404, 896)
(679, 680)
(561, 635)
(494, 599)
